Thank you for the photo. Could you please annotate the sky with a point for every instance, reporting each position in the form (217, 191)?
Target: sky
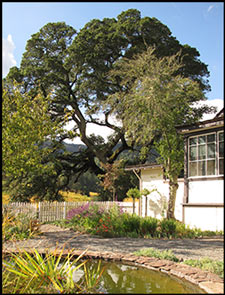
(198, 24)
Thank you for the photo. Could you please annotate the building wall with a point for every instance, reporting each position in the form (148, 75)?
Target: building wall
(210, 191)
(205, 218)
(205, 192)
(152, 179)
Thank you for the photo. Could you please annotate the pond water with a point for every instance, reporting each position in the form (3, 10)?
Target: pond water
(123, 278)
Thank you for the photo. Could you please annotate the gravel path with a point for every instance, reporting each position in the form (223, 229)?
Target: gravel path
(182, 248)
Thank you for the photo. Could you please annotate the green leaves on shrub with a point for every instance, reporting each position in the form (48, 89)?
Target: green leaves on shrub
(208, 264)
(151, 252)
(168, 227)
(149, 226)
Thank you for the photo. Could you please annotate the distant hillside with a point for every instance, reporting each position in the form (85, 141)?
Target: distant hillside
(72, 147)
(130, 156)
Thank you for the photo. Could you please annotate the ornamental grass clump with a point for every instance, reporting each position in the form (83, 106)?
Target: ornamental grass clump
(35, 273)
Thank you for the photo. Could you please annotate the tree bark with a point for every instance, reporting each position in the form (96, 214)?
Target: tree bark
(173, 186)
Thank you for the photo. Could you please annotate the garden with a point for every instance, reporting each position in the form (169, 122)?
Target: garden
(42, 272)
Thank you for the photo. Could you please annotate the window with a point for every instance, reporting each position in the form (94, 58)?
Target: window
(221, 152)
(203, 154)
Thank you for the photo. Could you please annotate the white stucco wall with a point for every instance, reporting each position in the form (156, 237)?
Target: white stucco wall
(152, 179)
(205, 218)
(205, 192)
(211, 191)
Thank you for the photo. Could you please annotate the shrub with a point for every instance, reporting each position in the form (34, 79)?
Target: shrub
(17, 226)
(151, 252)
(208, 264)
(77, 211)
(168, 227)
(148, 226)
(131, 223)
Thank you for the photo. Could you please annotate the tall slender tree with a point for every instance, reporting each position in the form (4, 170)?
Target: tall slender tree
(156, 100)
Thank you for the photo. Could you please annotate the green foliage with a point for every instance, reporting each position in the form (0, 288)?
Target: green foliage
(116, 223)
(145, 192)
(134, 193)
(168, 227)
(149, 226)
(151, 252)
(17, 226)
(37, 273)
(76, 67)
(26, 129)
(208, 264)
(159, 99)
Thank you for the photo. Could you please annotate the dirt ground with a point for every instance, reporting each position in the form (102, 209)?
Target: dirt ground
(53, 236)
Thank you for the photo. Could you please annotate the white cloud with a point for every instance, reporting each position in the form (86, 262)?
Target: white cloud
(105, 131)
(8, 59)
(219, 103)
(94, 128)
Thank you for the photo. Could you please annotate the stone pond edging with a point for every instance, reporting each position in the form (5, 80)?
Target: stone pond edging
(208, 282)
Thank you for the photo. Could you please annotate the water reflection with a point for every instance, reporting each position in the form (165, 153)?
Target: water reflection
(122, 279)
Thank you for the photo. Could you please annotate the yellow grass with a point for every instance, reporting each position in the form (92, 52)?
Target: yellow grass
(74, 197)
(130, 200)
(68, 197)
(5, 198)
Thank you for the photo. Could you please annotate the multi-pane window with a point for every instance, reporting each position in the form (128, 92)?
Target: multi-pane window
(221, 152)
(203, 154)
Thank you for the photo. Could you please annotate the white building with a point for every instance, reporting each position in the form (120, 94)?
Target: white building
(200, 195)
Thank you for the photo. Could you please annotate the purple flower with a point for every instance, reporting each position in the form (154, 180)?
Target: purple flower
(82, 210)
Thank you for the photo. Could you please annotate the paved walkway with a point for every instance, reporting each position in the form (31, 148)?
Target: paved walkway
(185, 249)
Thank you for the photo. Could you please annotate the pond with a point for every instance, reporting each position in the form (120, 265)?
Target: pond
(119, 278)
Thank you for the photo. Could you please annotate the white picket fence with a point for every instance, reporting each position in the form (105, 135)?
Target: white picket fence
(51, 211)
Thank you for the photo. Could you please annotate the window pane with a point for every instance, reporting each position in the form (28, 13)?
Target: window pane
(211, 138)
(202, 151)
(201, 168)
(202, 139)
(193, 169)
(221, 149)
(211, 167)
(221, 166)
(193, 153)
(211, 150)
(221, 136)
(193, 141)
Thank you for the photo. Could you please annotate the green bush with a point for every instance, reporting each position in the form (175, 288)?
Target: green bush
(131, 223)
(168, 227)
(148, 226)
(17, 226)
(151, 252)
(207, 264)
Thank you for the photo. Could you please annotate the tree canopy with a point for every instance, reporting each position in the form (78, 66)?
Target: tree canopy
(26, 128)
(156, 100)
(74, 67)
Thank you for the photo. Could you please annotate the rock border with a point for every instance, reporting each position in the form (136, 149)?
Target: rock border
(208, 282)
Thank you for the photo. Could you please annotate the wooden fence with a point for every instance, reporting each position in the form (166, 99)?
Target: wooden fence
(51, 211)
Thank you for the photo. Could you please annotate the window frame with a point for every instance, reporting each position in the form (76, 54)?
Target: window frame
(206, 159)
(219, 158)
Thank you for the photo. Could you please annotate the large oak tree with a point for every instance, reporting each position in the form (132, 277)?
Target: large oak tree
(74, 67)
